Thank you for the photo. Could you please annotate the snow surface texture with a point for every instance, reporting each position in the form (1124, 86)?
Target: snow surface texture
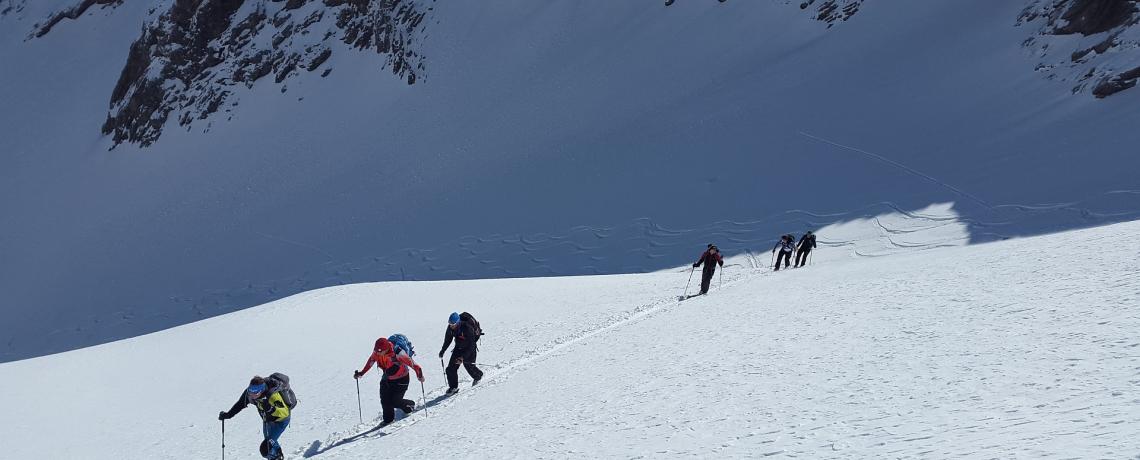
(532, 122)
(1013, 349)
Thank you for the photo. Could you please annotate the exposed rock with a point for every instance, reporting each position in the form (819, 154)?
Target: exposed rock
(1121, 82)
(189, 58)
(1107, 40)
(8, 7)
(1088, 17)
(830, 11)
(71, 13)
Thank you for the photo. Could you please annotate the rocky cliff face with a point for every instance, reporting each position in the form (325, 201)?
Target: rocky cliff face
(188, 60)
(1092, 43)
(191, 57)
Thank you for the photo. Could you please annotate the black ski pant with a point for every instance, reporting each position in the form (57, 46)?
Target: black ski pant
(468, 363)
(787, 256)
(706, 279)
(392, 397)
(802, 253)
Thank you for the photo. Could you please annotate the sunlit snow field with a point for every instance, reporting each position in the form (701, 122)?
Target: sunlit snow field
(1024, 348)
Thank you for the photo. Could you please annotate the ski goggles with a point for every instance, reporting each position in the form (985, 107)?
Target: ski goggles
(256, 390)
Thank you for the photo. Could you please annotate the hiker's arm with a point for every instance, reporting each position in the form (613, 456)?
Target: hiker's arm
(238, 406)
(367, 365)
(446, 342)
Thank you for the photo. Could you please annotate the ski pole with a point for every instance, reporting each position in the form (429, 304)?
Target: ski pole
(424, 392)
(690, 281)
(223, 439)
(358, 408)
(720, 278)
(809, 257)
(773, 262)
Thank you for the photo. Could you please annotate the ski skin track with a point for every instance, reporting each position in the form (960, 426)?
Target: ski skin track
(501, 373)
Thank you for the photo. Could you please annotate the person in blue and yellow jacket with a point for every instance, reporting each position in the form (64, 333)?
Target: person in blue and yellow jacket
(274, 401)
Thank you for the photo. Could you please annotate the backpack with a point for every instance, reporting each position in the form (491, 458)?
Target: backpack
(400, 341)
(280, 383)
(466, 317)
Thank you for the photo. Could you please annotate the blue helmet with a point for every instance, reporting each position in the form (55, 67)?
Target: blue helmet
(454, 318)
(255, 389)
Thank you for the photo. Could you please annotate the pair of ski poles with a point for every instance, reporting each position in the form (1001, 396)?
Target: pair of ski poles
(358, 406)
(719, 283)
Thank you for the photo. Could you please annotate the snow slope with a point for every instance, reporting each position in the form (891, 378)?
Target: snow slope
(535, 122)
(1012, 349)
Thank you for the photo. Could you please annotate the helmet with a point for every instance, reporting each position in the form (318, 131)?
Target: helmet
(383, 345)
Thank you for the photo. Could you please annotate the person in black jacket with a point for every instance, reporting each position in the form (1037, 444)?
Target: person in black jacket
(803, 248)
(711, 258)
(465, 352)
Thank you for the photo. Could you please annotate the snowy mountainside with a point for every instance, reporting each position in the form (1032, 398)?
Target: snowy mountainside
(539, 139)
(188, 58)
(1016, 348)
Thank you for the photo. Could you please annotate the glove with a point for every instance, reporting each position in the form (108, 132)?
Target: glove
(355, 374)
(223, 416)
(421, 377)
(773, 251)
(696, 265)
(441, 353)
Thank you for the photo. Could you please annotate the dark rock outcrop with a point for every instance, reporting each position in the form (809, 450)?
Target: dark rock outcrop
(11, 7)
(830, 11)
(71, 13)
(188, 60)
(1107, 42)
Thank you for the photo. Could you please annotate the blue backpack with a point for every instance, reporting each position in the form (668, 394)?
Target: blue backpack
(401, 342)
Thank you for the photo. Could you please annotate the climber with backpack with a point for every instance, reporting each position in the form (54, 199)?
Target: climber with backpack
(803, 249)
(396, 364)
(466, 331)
(275, 402)
(711, 258)
(786, 245)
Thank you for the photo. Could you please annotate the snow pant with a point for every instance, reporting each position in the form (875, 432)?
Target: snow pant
(392, 397)
(272, 430)
(706, 279)
(802, 253)
(787, 256)
(468, 363)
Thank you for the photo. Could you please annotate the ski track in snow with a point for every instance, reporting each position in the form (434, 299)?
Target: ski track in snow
(1016, 349)
(500, 373)
(978, 360)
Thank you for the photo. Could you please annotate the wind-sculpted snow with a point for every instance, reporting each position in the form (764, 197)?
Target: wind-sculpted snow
(637, 247)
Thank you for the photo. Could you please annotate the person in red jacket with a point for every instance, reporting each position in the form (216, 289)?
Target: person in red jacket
(711, 258)
(397, 367)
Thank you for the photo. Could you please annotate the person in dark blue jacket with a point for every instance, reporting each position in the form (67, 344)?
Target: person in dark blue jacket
(806, 244)
(465, 352)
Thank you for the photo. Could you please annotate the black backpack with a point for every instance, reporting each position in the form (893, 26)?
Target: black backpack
(279, 383)
(466, 317)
